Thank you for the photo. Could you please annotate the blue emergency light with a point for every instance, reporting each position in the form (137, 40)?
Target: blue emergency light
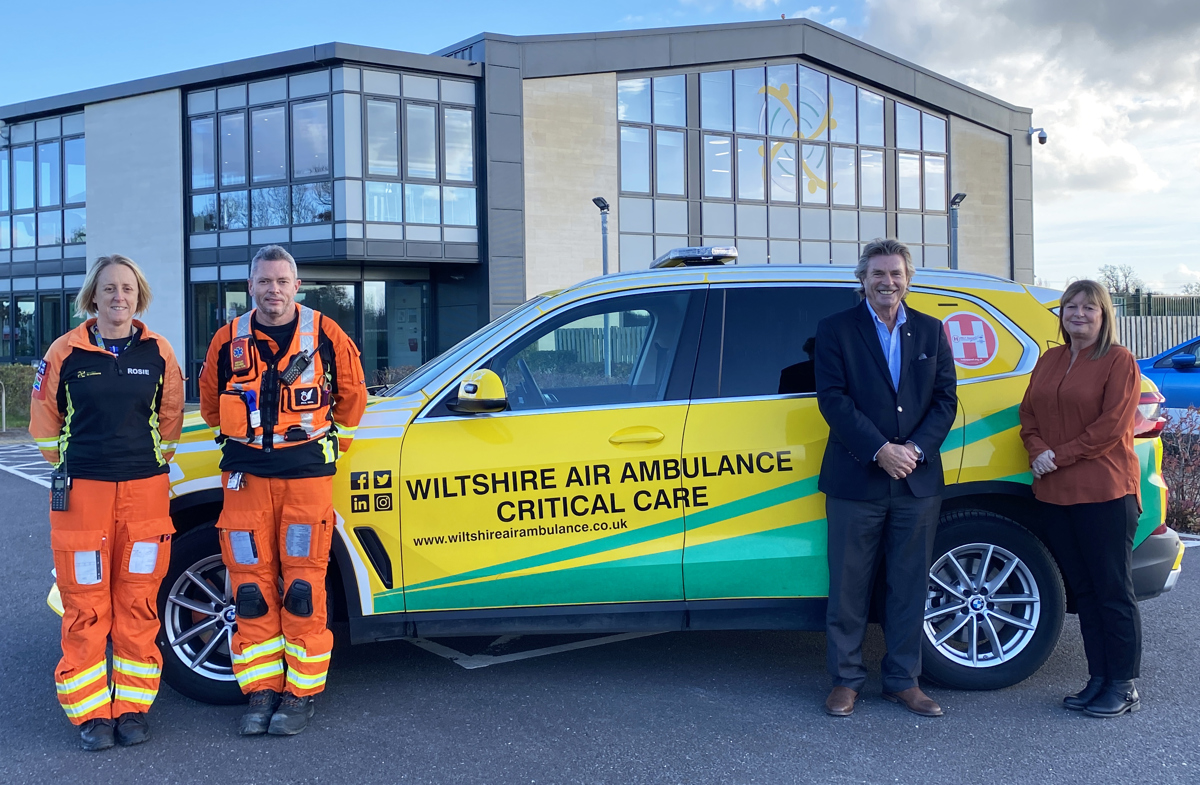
(696, 257)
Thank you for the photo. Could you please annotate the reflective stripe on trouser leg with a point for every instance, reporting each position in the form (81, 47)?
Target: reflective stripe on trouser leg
(84, 693)
(265, 675)
(135, 685)
(307, 670)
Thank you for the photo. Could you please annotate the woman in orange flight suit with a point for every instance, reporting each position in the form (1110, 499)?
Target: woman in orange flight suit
(107, 409)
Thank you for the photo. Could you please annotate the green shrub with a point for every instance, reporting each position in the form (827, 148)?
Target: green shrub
(18, 381)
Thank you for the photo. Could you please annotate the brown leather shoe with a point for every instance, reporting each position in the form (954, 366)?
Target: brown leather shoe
(915, 701)
(840, 702)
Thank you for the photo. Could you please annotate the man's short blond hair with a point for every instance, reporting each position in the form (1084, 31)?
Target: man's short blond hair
(84, 301)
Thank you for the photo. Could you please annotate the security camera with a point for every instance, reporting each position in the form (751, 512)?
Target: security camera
(1042, 137)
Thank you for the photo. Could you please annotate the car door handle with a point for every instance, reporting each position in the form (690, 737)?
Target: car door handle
(638, 433)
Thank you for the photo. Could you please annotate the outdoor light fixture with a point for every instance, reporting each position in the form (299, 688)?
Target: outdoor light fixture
(1041, 135)
(955, 201)
(602, 203)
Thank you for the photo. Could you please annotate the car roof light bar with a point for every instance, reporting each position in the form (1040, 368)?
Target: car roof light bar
(696, 257)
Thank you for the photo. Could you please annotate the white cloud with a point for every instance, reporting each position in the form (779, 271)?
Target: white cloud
(755, 5)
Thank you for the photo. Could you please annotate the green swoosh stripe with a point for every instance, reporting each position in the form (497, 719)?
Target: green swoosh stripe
(195, 428)
(983, 428)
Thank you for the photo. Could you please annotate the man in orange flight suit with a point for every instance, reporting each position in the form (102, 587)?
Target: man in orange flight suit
(283, 388)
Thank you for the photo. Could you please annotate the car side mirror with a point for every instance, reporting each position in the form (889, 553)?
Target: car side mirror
(480, 392)
(1182, 361)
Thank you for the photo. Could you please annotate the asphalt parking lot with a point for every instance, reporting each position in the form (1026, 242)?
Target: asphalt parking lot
(671, 708)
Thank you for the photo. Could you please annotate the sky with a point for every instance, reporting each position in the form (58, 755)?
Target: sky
(1115, 84)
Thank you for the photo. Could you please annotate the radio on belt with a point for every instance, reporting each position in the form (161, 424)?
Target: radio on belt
(296, 366)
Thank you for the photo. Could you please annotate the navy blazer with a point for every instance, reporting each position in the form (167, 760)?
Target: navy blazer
(864, 412)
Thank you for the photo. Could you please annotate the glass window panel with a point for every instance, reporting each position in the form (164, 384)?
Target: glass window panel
(231, 97)
(671, 164)
(50, 314)
(458, 92)
(385, 202)
(666, 243)
(751, 251)
(269, 207)
(5, 232)
(783, 171)
(75, 156)
(422, 204)
(815, 253)
(933, 133)
(383, 138)
(201, 102)
(203, 159)
(423, 87)
(781, 100)
(717, 219)
(908, 127)
(308, 84)
(872, 226)
(233, 149)
(381, 83)
(22, 166)
(269, 91)
(785, 222)
(345, 79)
(268, 145)
(635, 159)
(50, 228)
(633, 100)
(637, 251)
(394, 316)
(751, 220)
(844, 176)
(937, 256)
(935, 183)
(845, 253)
(25, 328)
(871, 172)
(908, 228)
(844, 225)
(204, 213)
(716, 100)
(812, 104)
(75, 225)
(671, 217)
(458, 206)
(670, 106)
(784, 252)
(815, 174)
(842, 112)
(749, 94)
(72, 124)
(918, 255)
(814, 224)
(935, 229)
(312, 203)
(717, 165)
(49, 128)
(49, 175)
(310, 139)
(908, 181)
(24, 230)
(235, 208)
(636, 215)
(750, 168)
(5, 204)
(460, 156)
(421, 145)
(870, 118)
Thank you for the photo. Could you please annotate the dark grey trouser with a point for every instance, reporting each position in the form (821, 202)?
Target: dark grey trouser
(901, 528)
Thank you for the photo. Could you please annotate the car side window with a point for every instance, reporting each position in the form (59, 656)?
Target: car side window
(615, 351)
(1165, 362)
(759, 340)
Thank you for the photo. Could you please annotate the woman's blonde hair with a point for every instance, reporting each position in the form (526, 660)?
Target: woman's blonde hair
(1097, 295)
(84, 305)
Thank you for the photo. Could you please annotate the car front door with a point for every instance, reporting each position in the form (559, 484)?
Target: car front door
(573, 495)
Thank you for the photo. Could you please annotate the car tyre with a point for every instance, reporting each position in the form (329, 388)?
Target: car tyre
(995, 605)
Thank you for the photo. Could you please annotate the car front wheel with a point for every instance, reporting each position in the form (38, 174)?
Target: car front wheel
(995, 604)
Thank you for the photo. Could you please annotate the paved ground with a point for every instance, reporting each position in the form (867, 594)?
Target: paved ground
(672, 708)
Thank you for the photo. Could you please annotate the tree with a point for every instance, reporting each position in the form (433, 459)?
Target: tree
(1120, 278)
(1192, 288)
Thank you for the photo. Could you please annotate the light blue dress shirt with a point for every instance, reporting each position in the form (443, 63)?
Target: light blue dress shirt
(890, 341)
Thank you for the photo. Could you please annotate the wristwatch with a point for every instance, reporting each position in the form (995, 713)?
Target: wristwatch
(920, 455)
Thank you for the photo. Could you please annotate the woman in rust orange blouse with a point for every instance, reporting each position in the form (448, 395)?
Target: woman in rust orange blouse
(1077, 422)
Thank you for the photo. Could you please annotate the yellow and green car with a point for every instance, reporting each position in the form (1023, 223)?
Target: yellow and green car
(640, 452)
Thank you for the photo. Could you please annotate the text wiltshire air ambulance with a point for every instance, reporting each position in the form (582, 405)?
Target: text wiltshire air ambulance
(640, 452)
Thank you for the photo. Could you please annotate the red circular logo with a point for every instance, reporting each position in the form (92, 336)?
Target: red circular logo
(973, 341)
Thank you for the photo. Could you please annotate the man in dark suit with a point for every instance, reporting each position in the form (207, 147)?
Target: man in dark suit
(886, 386)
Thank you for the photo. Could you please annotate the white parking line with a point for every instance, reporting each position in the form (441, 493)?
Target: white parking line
(24, 461)
(1190, 540)
(472, 661)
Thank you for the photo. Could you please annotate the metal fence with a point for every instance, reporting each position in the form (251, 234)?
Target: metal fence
(1146, 336)
(588, 343)
(1138, 304)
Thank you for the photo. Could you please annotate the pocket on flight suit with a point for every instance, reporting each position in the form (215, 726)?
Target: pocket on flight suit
(148, 552)
(81, 560)
(304, 539)
(243, 535)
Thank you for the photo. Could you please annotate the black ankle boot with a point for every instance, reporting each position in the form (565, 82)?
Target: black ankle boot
(1117, 698)
(1089, 693)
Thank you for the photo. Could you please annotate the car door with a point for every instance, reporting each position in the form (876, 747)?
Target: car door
(1180, 386)
(572, 495)
(753, 446)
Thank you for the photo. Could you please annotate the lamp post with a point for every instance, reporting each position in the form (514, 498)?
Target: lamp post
(955, 201)
(602, 204)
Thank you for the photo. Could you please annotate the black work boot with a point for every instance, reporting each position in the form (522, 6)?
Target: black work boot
(1117, 698)
(258, 715)
(96, 734)
(1089, 693)
(132, 728)
(292, 715)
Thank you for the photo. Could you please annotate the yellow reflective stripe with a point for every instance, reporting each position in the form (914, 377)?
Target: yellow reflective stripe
(93, 701)
(250, 653)
(132, 668)
(168, 446)
(78, 682)
(302, 654)
(135, 695)
(216, 430)
(263, 671)
(346, 431)
(306, 682)
(47, 444)
(327, 450)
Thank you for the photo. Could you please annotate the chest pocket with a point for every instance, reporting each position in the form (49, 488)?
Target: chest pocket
(304, 398)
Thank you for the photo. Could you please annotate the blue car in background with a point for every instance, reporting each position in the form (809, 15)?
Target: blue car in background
(1176, 373)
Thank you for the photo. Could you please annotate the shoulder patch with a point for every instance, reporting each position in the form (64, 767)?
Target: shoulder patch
(38, 392)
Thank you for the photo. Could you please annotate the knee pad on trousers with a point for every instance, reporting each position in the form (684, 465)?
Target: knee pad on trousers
(250, 601)
(298, 600)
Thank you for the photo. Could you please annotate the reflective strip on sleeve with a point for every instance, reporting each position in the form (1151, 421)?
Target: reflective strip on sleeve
(81, 680)
(216, 431)
(90, 703)
(132, 668)
(251, 653)
(302, 655)
(168, 446)
(47, 444)
(304, 682)
(264, 671)
(346, 431)
(135, 695)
